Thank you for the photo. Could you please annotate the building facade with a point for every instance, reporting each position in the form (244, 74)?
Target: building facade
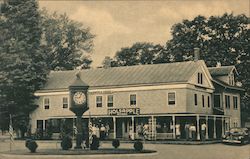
(161, 99)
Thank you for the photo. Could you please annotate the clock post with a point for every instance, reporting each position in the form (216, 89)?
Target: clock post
(78, 105)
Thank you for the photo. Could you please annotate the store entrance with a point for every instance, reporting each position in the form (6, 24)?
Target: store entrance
(122, 128)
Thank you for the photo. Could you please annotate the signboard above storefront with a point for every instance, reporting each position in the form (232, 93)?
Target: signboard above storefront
(123, 111)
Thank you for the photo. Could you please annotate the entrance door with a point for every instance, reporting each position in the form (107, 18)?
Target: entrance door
(119, 128)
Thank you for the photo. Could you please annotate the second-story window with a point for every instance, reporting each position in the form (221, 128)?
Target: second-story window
(227, 101)
(110, 102)
(65, 102)
(235, 101)
(46, 103)
(203, 101)
(208, 101)
(200, 78)
(171, 98)
(133, 99)
(195, 100)
(98, 101)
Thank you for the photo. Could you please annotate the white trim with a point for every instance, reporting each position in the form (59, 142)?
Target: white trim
(51, 93)
(138, 88)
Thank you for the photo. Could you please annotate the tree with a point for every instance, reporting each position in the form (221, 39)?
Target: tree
(140, 53)
(223, 39)
(66, 42)
(22, 66)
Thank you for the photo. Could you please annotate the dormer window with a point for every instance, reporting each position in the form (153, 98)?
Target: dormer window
(200, 78)
(231, 79)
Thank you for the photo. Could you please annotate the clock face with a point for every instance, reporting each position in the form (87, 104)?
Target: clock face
(79, 98)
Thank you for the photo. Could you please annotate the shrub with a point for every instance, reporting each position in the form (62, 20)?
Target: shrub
(31, 145)
(115, 143)
(95, 143)
(138, 146)
(66, 143)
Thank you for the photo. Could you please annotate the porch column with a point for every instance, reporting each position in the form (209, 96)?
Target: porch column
(173, 120)
(133, 128)
(222, 126)
(114, 122)
(198, 127)
(214, 127)
(207, 127)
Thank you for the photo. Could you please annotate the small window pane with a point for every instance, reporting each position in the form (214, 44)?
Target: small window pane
(203, 101)
(208, 101)
(46, 103)
(132, 99)
(110, 100)
(235, 100)
(65, 102)
(98, 101)
(171, 98)
(195, 100)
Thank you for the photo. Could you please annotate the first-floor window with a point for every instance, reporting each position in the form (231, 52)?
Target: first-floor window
(98, 101)
(46, 103)
(227, 101)
(65, 102)
(235, 100)
(133, 99)
(110, 101)
(171, 98)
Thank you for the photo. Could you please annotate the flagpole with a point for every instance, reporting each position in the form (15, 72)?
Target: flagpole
(10, 132)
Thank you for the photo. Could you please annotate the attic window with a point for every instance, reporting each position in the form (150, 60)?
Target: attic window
(200, 78)
(231, 79)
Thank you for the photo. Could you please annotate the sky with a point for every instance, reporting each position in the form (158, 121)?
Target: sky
(119, 24)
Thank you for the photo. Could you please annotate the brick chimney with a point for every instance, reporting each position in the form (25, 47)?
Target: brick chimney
(196, 54)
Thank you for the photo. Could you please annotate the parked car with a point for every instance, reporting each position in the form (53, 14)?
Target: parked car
(236, 136)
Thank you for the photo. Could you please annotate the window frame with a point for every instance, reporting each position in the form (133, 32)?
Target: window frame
(200, 78)
(108, 102)
(227, 102)
(63, 103)
(203, 100)
(208, 101)
(46, 106)
(196, 99)
(97, 102)
(173, 92)
(130, 101)
(235, 102)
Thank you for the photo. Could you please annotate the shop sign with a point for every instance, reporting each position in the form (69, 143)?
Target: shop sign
(123, 111)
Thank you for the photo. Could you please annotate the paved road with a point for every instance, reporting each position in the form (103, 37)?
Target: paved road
(164, 151)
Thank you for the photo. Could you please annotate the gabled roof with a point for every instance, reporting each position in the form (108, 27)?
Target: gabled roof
(179, 72)
(221, 71)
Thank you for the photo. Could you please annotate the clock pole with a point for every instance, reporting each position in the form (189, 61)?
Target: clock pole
(78, 95)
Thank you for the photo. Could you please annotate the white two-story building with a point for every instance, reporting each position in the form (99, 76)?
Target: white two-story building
(159, 95)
